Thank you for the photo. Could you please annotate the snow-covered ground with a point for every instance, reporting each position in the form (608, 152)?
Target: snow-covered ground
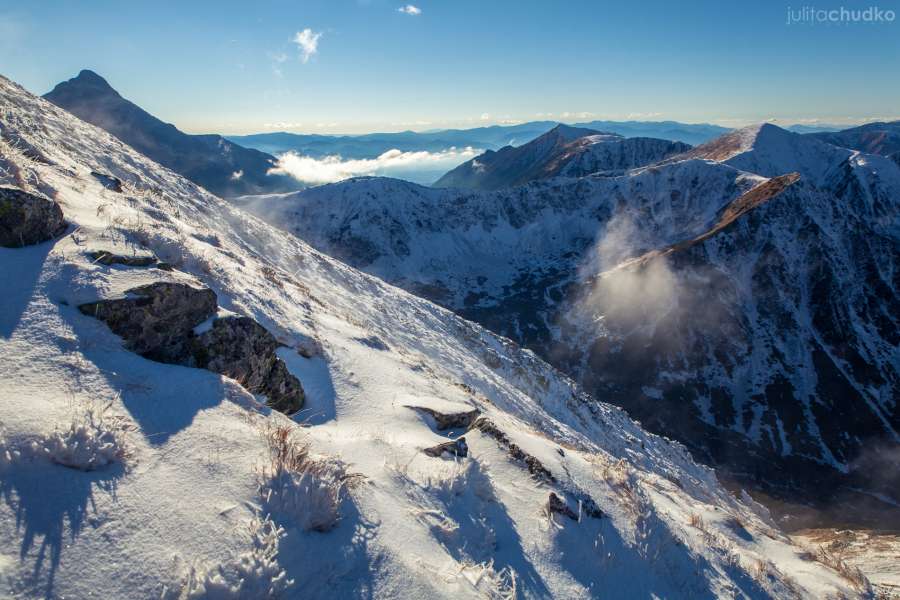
(874, 553)
(177, 506)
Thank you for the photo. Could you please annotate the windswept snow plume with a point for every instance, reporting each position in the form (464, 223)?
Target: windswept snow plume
(334, 168)
(625, 297)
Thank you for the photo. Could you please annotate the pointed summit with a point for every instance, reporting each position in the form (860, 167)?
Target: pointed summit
(217, 164)
(563, 151)
(568, 133)
(768, 150)
(86, 83)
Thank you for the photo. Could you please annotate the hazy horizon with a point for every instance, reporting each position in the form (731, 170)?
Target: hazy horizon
(362, 66)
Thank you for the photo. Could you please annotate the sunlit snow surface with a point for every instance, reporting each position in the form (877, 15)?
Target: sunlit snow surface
(415, 526)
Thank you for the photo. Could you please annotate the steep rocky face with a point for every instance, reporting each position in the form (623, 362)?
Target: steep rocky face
(217, 164)
(27, 219)
(774, 353)
(158, 322)
(564, 150)
(756, 320)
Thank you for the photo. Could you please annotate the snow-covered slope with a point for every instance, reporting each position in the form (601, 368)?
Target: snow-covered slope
(563, 151)
(175, 509)
(770, 151)
(768, 343)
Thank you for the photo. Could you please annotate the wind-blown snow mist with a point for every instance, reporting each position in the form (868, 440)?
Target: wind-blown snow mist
(330, 169)
(626, 296)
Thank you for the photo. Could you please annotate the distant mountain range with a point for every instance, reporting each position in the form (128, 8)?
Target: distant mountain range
(484, 138)
(564, 150)
(219, 165)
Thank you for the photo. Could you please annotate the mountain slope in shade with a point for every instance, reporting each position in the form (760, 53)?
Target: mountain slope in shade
(873, 138)
(564, 150)
(373, 361)
(764, 335)
(217, 164)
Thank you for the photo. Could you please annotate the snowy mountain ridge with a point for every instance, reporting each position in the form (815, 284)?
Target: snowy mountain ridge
(183, 507)
(562, 151)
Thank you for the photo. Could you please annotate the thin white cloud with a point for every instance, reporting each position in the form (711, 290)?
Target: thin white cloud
(643, 116)
(577, 115)
(409, 9)
(334, 168)
(308, 42)
(283, 125)
(485, 116)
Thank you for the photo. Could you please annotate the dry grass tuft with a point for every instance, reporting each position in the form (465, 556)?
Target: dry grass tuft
(833, 558)
(296, 485)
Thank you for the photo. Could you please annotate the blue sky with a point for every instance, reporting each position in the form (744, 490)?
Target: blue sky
(234, 67)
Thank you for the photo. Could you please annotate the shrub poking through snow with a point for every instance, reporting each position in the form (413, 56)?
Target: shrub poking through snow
(294, 484)
(255, 573)
(91, 442)
(493, 584)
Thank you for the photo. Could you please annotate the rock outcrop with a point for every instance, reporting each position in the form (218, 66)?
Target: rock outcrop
(556, 505)
(27, 219)
(244, 350)
(444, 421)
(108, 181)
(456, 448)
(108, 258)
(158, 322)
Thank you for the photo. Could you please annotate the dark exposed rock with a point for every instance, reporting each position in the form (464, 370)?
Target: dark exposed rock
(157, 321)
(244, 350)
(443, 421)
(457, 447)
(108, 258)
(27, 219)
(374, 342)
(108, 181)
(538, 470)
(557, 505)
(588, 506)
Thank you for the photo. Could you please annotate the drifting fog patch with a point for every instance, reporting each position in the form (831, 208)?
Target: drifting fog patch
(628, 297)
(394, 162)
